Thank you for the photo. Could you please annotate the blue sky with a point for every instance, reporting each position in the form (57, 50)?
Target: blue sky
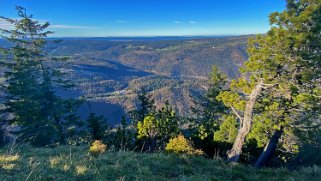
(98, 18)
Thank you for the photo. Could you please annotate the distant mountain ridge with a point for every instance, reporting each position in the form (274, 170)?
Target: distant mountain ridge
(148, 38)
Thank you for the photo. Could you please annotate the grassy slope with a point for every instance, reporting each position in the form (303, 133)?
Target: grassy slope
(74, 163)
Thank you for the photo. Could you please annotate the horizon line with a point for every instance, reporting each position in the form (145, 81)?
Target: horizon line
(156, 36)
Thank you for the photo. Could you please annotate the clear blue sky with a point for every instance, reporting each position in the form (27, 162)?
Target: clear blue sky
(97, 18)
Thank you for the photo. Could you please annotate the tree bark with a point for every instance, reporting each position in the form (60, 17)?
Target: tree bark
(269, 149)
(234, 154)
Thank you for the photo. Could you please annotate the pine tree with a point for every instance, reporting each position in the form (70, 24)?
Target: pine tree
(298, 76)
(97, 126)
(168, 123)
(146, 106)
(282, 76)
(30, 83)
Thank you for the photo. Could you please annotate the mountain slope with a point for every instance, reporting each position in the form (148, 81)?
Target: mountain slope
(171, 69)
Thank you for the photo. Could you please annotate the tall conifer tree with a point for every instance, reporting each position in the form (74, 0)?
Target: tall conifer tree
(30, 82)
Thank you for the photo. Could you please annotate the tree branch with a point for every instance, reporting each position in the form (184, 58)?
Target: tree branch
(235, 112)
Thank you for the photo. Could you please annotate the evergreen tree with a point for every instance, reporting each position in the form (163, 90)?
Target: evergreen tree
(125, 137)
(227, 130)
(97, 126)
(281, 79)
(168, 123)
(146, 106)
(30, 83)
(208, 109)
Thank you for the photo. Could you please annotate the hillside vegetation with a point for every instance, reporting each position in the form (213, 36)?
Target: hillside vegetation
(174, 70)
(74, 163)
(191, 57)
(268, 116)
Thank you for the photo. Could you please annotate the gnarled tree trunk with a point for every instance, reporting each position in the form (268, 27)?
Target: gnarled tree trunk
(269, 149)
(234, 154)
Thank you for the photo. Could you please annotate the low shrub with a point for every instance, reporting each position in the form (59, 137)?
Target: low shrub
(181, 145)
(97, 148)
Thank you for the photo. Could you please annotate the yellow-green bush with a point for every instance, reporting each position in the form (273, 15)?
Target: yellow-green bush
(181, 145)
(97, 148)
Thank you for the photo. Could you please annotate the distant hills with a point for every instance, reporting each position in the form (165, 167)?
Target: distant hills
(108, 71)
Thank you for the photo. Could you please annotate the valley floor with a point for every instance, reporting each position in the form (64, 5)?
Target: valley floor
(74, 163)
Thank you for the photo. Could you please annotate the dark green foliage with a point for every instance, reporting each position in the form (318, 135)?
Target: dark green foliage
(208, 109)
(212, 118)
(97, 126)
(146, 105)
(219, 141)
(29, 83)
(123, 137)
(2, 138)
(310, 146)
(227, 130)
(168, 122)
(74, 132)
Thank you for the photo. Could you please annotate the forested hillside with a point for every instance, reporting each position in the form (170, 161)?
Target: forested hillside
(174, 70)
(190, 58)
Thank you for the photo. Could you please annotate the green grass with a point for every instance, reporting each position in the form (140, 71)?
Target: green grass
(74, 163)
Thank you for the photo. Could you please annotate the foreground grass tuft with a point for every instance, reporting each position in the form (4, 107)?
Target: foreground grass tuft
(75, 163)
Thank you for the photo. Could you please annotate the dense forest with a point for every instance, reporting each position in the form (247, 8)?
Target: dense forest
(265, 114)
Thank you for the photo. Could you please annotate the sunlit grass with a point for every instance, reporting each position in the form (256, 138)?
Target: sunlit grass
(8, 162)
(54, 161)
(75, 163)
(8, 166)
(8, 158)
(81, 169)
